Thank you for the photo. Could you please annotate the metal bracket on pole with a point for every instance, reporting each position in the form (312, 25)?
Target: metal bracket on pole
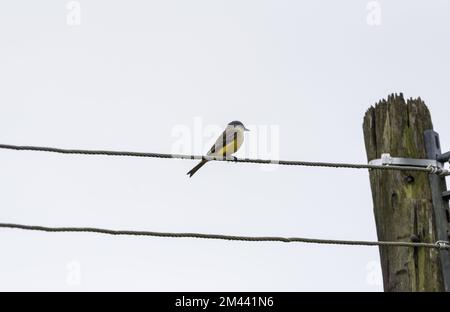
(444, 157)
(387, 160)
(446, 195)
(440, 197)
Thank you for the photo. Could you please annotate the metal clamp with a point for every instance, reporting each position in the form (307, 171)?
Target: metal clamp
(444, 157)
(387, 160)
(441, 244)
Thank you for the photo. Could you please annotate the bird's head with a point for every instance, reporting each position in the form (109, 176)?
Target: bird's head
(237, 125)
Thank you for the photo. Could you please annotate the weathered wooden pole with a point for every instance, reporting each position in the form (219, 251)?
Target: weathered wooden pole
(402, 200)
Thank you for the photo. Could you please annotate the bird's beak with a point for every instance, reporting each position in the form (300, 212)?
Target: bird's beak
(245, 129)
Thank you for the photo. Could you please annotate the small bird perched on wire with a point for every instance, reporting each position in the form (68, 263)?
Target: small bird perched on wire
(228, 143)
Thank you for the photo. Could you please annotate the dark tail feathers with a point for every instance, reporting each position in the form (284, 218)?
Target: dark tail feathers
(195, 169)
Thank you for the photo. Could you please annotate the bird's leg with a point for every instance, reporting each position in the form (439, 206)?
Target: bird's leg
(227, 157)
(231, 158)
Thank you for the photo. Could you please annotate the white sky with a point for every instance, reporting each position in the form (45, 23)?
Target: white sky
(133, 71)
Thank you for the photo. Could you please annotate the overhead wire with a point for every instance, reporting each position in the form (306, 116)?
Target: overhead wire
(436, 245)
(429, 169)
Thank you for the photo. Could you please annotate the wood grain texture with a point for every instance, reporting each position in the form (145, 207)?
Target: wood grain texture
(402, 200)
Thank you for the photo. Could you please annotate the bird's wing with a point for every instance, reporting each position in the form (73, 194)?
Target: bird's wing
(223, 140)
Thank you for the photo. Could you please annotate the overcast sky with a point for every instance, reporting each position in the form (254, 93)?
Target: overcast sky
(141, 75)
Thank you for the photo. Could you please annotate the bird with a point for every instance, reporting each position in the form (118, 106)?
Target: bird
(226, 144)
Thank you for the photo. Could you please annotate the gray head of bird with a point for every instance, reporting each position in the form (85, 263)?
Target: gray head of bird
(237, 125)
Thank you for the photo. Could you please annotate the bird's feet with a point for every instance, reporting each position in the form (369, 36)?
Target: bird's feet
(231, 158)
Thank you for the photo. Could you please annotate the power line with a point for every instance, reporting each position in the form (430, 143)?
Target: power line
(437, 245)
(431, 170)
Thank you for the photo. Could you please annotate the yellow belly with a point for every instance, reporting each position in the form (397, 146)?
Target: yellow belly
(231, 147)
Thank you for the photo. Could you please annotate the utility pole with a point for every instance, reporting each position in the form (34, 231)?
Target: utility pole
(408, 206)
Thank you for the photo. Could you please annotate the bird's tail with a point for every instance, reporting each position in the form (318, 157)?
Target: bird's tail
(195, 169)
